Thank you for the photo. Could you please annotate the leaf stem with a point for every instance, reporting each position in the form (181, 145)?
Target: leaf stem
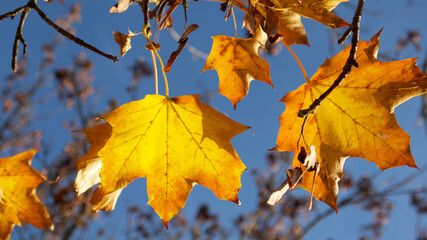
(145, 32)
(351, 61)
(298, 61)
(156, 78)
(234, 20)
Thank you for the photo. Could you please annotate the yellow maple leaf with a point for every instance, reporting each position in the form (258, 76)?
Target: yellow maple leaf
(356, 120)
(18, 200)
(237, 62)
(175, 143)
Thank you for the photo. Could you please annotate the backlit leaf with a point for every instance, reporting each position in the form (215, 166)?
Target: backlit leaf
(356, 120)
(237, 62)
(18, 200)
(175, 143)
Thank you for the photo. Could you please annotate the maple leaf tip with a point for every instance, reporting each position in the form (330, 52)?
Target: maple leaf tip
(377, 35)
(272, 149)
(165, 223)
(75, 131)
(335, 208)
(235, 105)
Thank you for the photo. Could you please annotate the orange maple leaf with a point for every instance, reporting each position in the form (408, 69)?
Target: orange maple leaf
(175, 143)
(288, 15)
(18, 199)
(237, 62)
(356, 120)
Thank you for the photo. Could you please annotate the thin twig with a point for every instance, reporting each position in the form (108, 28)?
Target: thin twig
(69, 35)
(351, 61)
(345, 35)
(19, 37)
(144, 6)
(13, 13)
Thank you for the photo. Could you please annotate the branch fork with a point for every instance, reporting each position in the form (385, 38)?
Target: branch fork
(19, 37)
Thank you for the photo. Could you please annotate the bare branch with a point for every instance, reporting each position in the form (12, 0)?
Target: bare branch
(19, 37)
(69, 35)
(13, 13)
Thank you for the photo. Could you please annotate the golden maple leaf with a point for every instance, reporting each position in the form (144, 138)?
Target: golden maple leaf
(319, 10)
(175, 143)
(356, 120)
(289, 13)
(18, 200)
(237, 62)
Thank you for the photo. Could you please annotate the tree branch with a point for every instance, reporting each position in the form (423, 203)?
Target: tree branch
(13, 13)
(69, 35)
(19, 37)
(351, 60)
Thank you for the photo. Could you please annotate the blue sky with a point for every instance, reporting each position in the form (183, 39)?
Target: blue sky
(260, 109)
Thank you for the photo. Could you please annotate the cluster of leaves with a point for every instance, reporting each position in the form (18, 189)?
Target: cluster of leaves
(179, 142)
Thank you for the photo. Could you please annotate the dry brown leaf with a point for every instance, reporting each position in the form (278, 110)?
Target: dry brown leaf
(182, 41)
(121, 6)
(124, 41)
